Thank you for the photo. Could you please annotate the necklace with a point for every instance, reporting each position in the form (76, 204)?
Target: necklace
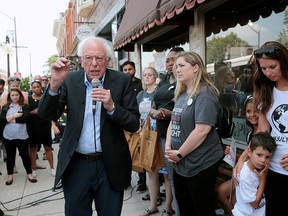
(36, 98)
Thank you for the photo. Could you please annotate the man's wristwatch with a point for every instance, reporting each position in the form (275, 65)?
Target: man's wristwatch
(113, 108)
(111, 111)
(179, 155)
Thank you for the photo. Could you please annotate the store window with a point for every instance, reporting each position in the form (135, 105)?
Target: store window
(229, 61)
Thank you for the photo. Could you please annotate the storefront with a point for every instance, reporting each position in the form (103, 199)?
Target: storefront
(221, 31)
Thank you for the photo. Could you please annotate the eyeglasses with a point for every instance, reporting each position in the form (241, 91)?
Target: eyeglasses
(98, 59)
(267, 51)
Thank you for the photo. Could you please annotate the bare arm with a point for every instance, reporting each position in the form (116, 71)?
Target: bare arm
(168, 138)
(262, 178)
(194, 140)
(238, 166)
(263, 124)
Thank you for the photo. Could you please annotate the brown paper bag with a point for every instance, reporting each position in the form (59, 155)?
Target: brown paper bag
(151, 155)
(134, 141)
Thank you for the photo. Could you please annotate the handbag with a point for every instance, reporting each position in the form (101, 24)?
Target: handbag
(151, 155)
(134, 141)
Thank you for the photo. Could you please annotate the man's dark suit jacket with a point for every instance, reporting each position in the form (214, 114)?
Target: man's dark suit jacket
(126, 116)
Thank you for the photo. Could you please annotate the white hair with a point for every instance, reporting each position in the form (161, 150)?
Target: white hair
(107, 44)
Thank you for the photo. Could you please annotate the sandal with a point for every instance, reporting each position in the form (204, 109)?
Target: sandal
(9, 182)
(147, 212)
(32, 180)
(167, 213)
(159, 201)
(146, 197)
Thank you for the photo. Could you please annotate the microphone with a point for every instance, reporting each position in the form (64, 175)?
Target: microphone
(95, 83)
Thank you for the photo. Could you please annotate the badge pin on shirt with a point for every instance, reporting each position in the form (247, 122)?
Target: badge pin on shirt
(190, 101)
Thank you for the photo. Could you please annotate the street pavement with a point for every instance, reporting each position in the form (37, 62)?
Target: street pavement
(23, 198)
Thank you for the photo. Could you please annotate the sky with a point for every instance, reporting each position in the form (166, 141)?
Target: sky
(34, 25)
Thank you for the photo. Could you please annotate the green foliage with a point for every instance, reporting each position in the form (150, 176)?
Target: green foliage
(52, 59)
(217, 46)
(283, 37)
(25, 84)
(48, 63)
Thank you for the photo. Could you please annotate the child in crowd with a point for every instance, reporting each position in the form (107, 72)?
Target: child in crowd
(225, 195)
(252, 179)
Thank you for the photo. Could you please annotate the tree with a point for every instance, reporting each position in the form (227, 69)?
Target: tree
(75, 63)
(219, 47)
(25, 84)
(48, 63)
(283, 36)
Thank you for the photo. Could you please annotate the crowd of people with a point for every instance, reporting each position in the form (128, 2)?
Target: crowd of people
(22, 129)
(94, 162)
(192, 145)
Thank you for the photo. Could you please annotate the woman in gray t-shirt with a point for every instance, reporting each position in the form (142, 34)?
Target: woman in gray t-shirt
(192, 144)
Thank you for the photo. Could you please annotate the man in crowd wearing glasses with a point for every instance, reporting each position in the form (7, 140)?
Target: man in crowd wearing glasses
(45, 81)
(94, 161)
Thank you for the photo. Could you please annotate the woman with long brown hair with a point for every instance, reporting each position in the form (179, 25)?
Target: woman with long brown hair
(14, 116)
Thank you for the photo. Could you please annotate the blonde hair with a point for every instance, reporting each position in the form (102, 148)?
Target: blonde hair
(155, 74)
(201, 77)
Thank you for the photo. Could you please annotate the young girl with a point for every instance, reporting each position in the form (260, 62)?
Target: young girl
(14, 116)
(39, 130)
(252, 115)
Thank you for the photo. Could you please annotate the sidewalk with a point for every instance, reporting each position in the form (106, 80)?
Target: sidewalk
(23, 198)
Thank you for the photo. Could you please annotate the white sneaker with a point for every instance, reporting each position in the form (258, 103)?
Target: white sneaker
(34, 173)
(53, 172)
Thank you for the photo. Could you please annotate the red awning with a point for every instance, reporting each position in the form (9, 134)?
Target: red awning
(168, 21)
(142, 15)
(169, 8)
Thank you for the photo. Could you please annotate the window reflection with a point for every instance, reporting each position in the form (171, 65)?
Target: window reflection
(230, 63)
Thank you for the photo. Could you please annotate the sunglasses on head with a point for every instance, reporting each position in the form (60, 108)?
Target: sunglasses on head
(14, 79)
(267, 51)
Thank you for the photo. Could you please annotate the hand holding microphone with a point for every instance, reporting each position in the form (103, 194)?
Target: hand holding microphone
(101, 95)
(95, 83)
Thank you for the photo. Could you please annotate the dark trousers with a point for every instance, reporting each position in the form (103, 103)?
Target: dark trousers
(196, 195)
(276, 187)
(86, 181)
(142, 178)
(11, 147)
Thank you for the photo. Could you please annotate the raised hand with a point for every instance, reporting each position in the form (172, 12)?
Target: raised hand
(59, 72)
